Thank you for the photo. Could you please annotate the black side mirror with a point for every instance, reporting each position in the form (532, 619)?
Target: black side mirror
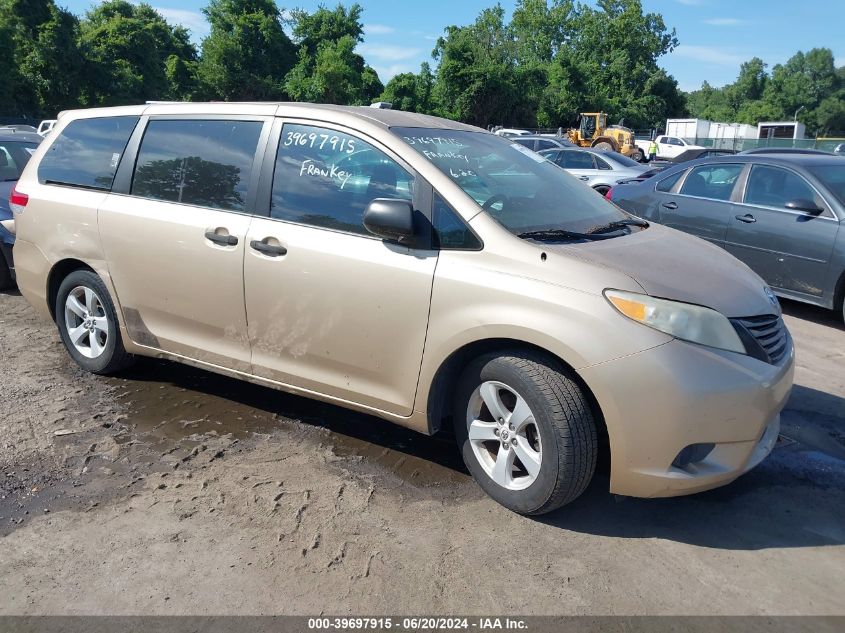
(390, 220)
(802, 204)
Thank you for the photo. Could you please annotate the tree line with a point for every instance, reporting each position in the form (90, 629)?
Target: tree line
(551, 60)
(808, 87)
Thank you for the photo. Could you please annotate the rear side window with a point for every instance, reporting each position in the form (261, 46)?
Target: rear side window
(601, 163)
(576, 160)
(203, 163)
(542, 144)
(86, 152)
(450, 230)
(326, 178)
(525, 142)
(667, 183)
(712, 181)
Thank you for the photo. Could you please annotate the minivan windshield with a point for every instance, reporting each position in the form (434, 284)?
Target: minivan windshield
(522, 190)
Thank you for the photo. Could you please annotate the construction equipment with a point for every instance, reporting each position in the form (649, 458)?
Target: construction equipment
(593, 131)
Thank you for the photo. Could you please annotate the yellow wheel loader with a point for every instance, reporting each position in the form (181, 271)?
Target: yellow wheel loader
(593, 131)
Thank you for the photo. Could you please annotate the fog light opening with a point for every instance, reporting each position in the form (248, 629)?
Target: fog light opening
(692, 454)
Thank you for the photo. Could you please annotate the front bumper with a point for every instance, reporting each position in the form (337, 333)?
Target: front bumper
(660, 401)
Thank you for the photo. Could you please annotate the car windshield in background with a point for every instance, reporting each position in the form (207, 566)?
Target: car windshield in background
(14, 156)
(833, 177)
(522, 190)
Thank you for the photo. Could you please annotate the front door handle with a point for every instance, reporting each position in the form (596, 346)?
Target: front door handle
(271, 250)
(221, 239)
(584, 178)
(670, 205)
(747, 218)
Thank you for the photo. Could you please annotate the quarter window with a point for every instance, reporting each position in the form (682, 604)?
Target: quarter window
(712, 181)
(450, 230)
(86, 152)
(203, 163)
(327, 178)
(774, 187)
(601, 163)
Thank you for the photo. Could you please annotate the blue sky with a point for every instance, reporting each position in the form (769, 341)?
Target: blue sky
(716, 36)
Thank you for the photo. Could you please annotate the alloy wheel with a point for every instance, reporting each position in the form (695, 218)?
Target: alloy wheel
(86, 322)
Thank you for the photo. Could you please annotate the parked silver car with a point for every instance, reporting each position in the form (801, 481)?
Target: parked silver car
(601, 170)
(781, 214)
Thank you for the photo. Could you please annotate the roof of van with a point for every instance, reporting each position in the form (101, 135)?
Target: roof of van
(379, 116)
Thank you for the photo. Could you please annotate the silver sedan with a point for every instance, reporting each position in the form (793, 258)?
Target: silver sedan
(599, 169)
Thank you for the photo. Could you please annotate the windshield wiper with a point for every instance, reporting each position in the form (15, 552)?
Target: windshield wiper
(618, 224)
(551, 235)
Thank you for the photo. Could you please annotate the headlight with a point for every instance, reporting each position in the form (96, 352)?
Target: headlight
(685, 321)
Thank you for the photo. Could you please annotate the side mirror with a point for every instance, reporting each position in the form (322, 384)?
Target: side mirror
(802, 204)
(390, 219)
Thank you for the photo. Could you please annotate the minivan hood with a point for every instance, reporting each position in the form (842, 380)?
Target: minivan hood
(673, 265)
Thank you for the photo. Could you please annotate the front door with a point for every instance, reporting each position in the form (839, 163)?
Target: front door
(702, 205)
(332, 309)
(790, 249)
(175, 244)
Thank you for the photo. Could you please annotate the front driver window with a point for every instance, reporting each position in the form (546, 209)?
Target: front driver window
(774, 187)
(326, 178)
(712, 181)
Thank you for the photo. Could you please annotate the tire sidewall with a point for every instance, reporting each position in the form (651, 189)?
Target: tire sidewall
(540, 491)
(90, 280)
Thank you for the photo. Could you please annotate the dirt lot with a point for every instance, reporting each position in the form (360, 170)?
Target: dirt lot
(173, 491)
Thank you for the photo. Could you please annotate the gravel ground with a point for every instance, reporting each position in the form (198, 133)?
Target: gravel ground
(169, 490)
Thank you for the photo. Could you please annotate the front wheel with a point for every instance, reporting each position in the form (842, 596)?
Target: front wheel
(88, 325)
(526, 431)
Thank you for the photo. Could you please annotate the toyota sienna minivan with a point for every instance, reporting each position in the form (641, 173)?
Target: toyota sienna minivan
(414, 268)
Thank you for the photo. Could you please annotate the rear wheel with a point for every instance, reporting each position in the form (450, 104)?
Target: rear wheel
(525, 430)
(638, 156)
(88, 324)
(602, 189)
(604, 146)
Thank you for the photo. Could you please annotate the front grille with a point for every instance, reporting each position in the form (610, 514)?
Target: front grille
(765, 337)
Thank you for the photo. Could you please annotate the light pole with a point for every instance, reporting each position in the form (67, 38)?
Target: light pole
(795, 118)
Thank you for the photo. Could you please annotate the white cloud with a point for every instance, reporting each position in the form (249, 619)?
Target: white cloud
(708, 54)
(378, 29)
(839, 62)
(724, 22)
(386, 73)
(388, 51)
(192, 20)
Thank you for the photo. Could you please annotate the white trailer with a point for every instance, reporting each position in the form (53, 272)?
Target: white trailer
(689, 129)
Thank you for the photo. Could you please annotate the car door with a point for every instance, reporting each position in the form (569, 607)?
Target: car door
(580, 164)
(701, 204)
(669, 147)
(331, 308)
(174, 235)
(790, 249)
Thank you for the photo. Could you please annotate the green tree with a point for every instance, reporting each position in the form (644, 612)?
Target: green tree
(328, 69)
(247, 53)
(411, 92)
(129, 55)
(43, 65)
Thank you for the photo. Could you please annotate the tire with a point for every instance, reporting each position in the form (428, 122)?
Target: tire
(5, 274)
(602, 189)
(638, 156)
(604, 146)
(99, 348)
(559, 430)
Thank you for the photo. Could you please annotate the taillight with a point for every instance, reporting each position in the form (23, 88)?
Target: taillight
(609, 194)
(17, 200)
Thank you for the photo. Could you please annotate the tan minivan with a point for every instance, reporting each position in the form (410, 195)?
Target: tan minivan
(410, 267)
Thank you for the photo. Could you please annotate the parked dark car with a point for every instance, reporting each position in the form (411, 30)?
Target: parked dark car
(782, 215)
(539, 143)
(786, 150)
(692, 154)
(16, 148)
